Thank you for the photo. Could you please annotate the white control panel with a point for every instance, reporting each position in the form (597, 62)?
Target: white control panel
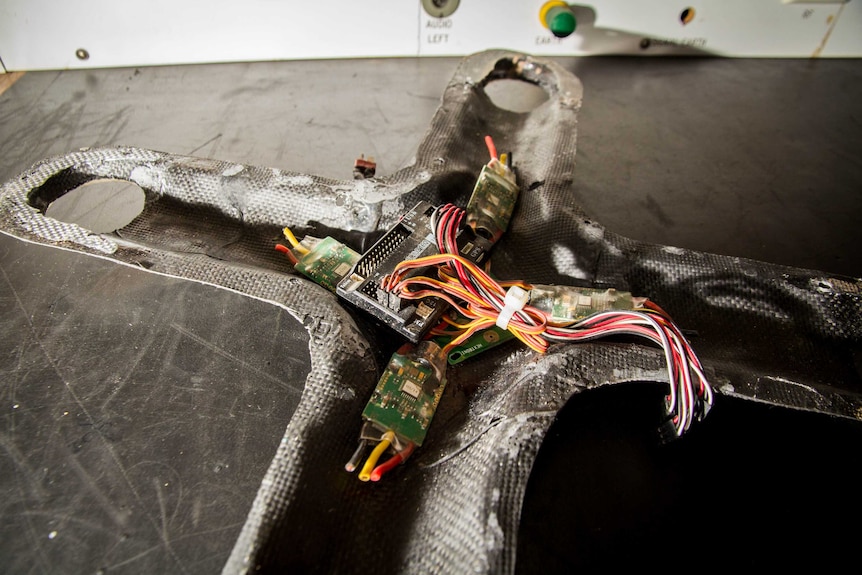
(753, 28)
(45, 34)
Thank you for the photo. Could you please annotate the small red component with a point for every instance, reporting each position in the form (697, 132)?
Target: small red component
(364, 168)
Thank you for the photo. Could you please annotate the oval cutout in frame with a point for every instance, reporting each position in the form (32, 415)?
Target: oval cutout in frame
(515, 95)
(101, 206)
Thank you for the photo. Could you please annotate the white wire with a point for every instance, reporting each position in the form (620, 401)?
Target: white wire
(683, 394)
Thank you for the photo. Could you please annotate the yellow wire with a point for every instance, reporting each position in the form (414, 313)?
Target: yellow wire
(529, 342)
(477, 309)
(475, 326)
(441, 291)
(520, 283)
(371, 462)
(293, 241)
(454, 323)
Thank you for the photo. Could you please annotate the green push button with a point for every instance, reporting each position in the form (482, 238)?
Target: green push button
(561, 21)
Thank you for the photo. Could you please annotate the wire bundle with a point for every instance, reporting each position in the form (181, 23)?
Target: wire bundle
(302, 250)
(480, 299)
(690, 394)
(371, 470)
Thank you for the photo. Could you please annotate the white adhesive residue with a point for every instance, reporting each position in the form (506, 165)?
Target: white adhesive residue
(147, 178)
(614, 250)
(373, 191)
(517, 431)
(232, 170)
(494, 535)
(296, 181)
(593, 231)
(673, 250)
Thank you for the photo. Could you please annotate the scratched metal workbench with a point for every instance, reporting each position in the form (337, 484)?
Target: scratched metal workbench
(140, 412)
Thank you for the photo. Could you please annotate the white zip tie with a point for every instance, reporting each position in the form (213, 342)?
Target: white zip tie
(516, 299)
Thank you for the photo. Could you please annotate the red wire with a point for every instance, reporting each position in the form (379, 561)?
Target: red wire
(649, 304)
(452, 245)
(392, 462)
(438, 231)
(286, 251)
(492, 149)
(447, 232)
(589, 328)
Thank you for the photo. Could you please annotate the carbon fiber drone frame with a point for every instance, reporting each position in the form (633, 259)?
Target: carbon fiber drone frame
(456, 507)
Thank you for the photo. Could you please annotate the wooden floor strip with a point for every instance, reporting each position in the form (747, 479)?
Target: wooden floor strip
(6, 80)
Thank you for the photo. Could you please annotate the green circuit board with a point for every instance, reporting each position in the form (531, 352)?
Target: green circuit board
(475, 344)
(569, 303)
(492, 203)
(406, 396)
(327, 263)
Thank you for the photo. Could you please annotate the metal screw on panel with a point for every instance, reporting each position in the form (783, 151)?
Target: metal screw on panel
(440, 8)
(82, 54)
(687, 16)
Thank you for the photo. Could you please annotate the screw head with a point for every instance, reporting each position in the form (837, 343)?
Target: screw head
(82, 54)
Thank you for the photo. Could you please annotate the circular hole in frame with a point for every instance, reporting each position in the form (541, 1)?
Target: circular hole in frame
(101, 206)
(515, 95)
